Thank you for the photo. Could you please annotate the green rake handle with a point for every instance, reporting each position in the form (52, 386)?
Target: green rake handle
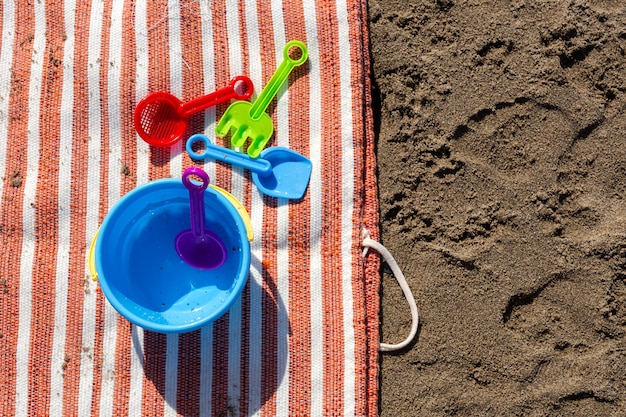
(280, 76)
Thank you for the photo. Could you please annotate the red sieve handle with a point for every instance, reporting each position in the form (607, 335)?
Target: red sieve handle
(220, 96)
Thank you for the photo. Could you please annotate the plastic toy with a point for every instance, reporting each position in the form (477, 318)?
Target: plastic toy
(278, 172)
(198, 246)
(142, 275)
(248, 120)
(161, 119)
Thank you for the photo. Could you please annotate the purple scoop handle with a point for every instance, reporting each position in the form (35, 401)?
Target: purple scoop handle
(197, 246)
(196, 198)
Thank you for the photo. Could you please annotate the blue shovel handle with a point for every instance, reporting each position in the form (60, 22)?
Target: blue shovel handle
(259, 165)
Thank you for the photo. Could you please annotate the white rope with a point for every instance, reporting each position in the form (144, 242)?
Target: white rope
(395, 269)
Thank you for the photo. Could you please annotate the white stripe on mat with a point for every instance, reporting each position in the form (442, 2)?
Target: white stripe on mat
(30, 190)
(347, 203)
(206, 371)
(141, 40)
(282, 232)
(176, 88)
(176, 85)
(109, 342)
(136, 372)
(135, 399)
(282, 308)
(206, 333)
(255, 363)
(315, 123)
(208, 59)
(64, 216)
(6, 61)
(93, 195)
(234, 317)
(234, 356)
(171, 375)
(114, 104)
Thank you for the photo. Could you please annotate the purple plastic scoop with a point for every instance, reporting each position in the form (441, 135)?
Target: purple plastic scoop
(198, 246)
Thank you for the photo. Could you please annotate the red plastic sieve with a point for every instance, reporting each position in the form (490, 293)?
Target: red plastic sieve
(161, 119)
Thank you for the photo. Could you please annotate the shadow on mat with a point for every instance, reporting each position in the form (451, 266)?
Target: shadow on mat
(222, 377)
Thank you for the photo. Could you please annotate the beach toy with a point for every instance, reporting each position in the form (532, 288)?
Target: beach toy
(198, 246)
(134, 257)
(278, 172)
(91, 261)
(161, 119)
(248, 120)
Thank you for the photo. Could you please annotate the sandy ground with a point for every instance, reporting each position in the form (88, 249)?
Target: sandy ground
(502, 169)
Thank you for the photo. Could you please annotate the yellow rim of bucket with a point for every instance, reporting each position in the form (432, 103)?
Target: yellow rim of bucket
(240, 209)
(91, 262)
(92, 258)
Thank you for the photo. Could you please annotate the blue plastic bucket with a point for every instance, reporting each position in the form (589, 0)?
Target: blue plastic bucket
(140, 272)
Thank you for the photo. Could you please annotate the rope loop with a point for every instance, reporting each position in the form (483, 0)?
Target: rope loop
(368, 243)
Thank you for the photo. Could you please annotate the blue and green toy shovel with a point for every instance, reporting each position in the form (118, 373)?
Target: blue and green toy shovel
(248, 120)
(277, 172)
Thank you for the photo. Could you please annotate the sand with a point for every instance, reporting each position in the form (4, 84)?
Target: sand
(501, 146)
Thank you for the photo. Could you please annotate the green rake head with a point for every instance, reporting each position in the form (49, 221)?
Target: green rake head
(237, 120)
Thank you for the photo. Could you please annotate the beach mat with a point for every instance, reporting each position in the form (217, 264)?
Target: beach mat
(302, 340)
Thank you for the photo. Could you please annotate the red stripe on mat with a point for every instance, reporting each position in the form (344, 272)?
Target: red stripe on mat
(220, 366)
(44, 262)
(128, 179)
(364, 179)
(222, 77)
(269, 302)
(99, 346)
(299, 304)
(299, 311)
(331, 237)
(123, 347)
(193, 68)
(371, 270)
(188, 390)
(11, 223)
(155, 344)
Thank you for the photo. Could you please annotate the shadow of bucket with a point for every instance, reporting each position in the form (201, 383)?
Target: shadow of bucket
(141, 275)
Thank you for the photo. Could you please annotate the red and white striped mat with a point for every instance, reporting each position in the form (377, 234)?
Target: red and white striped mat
(303, 338)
